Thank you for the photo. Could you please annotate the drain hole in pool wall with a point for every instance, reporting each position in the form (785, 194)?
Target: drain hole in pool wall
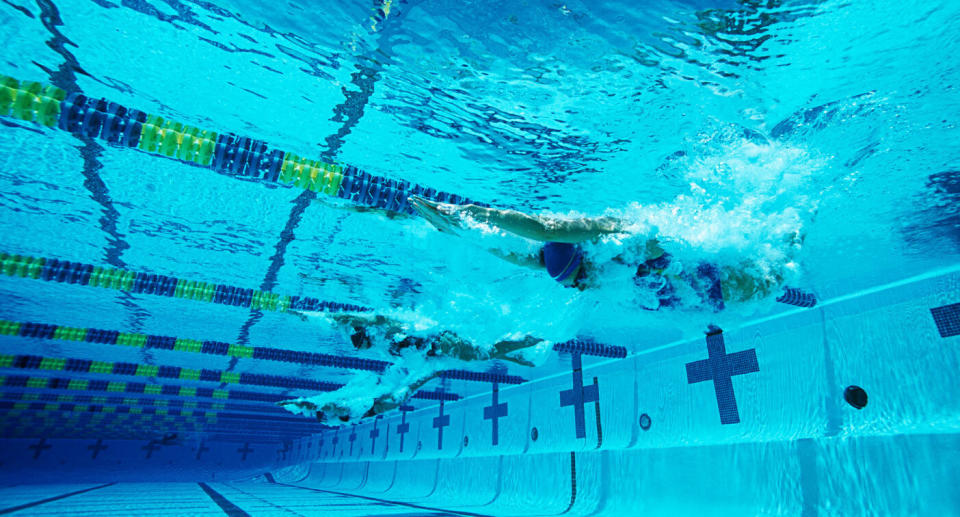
(855, 396)
(645, 422)
(534, 434)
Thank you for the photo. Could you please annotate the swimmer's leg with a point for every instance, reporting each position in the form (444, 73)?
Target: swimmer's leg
(449, 218)
(502, 348)
(518, 360)
(302, 404)
(743, 284)
(397, 398)
(389, 214)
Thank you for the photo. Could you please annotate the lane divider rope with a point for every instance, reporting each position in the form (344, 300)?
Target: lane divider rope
(35, 362)
(211, 416)
(13, 406)
(113, 337)
(70, 420)
(590, 347)
(173, 372)
(107, 415)
(467, 375)
(225, 153)
(55, 270)
(34, 400)
(100, 385)
(48, 397)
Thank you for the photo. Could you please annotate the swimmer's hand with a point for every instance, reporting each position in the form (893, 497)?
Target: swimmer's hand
(443, 216)
(302, 316)
(448, 218)
(302, 404)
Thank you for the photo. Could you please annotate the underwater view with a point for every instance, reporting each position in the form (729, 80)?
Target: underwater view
(419, 257)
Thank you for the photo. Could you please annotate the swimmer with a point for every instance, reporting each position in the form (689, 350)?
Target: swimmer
(366, 332)
(563, 258)
(340, 411)
(379, 332)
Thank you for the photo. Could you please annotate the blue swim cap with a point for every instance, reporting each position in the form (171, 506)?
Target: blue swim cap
(561, 259)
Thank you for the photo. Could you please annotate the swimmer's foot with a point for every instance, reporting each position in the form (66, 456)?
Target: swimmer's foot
(389, 214)
(519, 360)
(312, 280)
(502, 348)
(440, 215)
(302, 404)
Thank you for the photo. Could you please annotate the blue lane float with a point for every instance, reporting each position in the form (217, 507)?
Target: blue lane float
(225, 153)
(590, 347)
(78, 273)
(797, 297)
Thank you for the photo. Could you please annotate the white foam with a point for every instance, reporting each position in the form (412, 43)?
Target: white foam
(741, 205)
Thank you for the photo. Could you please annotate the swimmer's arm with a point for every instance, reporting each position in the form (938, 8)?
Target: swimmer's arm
(366, 320)
(520, 259)
(302, 404)
(360, 209)
(390, 401)
(448, 218)
(416, 385)
(388, 326)
(502, 348)
(740, 285)
(542, 228)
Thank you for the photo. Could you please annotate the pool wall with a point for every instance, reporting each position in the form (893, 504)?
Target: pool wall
(654, 441)
(752, 420)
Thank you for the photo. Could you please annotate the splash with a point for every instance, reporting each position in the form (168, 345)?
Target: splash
(360, 394)
(369, 393)
(741, 204)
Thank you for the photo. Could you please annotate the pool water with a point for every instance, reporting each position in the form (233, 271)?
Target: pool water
(190, 191)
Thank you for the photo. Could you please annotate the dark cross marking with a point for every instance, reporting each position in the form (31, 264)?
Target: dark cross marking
(321, 442)
(439, 423)
(596, 407)
(245, 450)
(947, 319)
(404, 427)
(96, 448)
(202, 449)
(374, 433)
(494, 412)
(719, 368)
(353, 437)
(284, 450)
(151, 446)
(39, 447)
(579, 395)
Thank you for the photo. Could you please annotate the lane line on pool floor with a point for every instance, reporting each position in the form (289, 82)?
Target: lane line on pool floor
(51, 499)
(228, 508)
(387, 501)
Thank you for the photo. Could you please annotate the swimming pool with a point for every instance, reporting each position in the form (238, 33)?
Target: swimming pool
(189, 187)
